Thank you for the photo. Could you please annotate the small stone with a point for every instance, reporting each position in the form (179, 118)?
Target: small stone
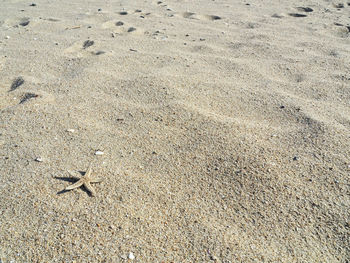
(7, 37)
(99, 9)
(70, 130)
(99, 153)
(295, 158)
(124, 257)
(131, 256)
(39, 159)
(32, 4)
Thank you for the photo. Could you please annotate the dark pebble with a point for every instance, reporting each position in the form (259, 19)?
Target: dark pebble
(99, 9)
(282, 107)
(119, 23)
(123, 13)
(32, 4)
(295, 158)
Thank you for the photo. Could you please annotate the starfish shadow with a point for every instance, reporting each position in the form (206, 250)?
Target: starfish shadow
(71, 180)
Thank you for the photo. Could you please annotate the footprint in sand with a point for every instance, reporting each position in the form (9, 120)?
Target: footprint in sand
(119, 27)
(304, 9)
(52, 19)
(190, 15)
(338, 5)
(277, 16)
(17, 93)
(16, 83)
(297, 15)
(88, 43)
(159, 3)
(82, 49)
(24, 22)
(35, 97)
(301, 9)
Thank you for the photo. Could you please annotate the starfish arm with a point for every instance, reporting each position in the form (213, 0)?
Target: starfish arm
(96, 180)
(75, 185)
(74, 175)
(89, 188)
(88, 171)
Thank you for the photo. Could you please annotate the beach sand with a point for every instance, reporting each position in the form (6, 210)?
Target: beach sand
(224, 127)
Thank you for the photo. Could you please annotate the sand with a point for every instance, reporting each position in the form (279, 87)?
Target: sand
(224, 127)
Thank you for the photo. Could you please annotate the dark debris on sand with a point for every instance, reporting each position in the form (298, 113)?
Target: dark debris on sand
(28, 96)
(88, 43)
(16, 83)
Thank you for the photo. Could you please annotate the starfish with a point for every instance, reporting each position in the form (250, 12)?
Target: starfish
(86, 180)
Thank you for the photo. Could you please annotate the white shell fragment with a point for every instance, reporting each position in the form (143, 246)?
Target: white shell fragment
(39, 159)
(70, 130)
(131, 256)
(99, 153)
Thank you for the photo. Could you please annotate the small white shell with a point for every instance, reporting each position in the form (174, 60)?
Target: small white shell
(39, 159)
(131, 256)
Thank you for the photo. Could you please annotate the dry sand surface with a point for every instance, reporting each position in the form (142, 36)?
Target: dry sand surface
(224, 127)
